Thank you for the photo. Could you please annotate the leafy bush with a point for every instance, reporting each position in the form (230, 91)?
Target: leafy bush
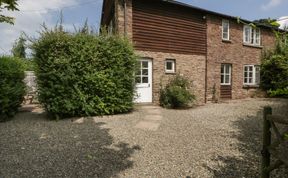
(274, 72)
(12, 87)
(279, 93)
(176, 94)
(29, 64)
(83, 74)
(274, 68)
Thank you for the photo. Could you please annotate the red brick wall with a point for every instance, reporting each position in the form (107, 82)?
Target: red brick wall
(233, 52)
(193, 66)
(190, 66)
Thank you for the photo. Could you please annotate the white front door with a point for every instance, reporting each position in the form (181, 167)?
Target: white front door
(144, 82)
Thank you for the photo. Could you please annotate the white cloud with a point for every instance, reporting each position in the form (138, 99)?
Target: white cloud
(283, 21)
(31, 15)
(271, 4)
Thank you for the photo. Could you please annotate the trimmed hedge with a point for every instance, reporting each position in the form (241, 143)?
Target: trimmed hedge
(176, 93)
(84, 74)
(12, 87)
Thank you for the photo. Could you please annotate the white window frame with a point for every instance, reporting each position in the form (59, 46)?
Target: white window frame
(173, 66)
(254, 36)
(224, 21)
(225, 74)
(254, 75)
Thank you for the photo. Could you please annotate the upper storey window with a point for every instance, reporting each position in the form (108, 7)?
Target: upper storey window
(251, 35)
(225, 30)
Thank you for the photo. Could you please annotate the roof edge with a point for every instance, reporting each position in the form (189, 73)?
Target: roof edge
(218, 14)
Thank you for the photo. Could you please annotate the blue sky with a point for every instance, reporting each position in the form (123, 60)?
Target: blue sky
(33, 13)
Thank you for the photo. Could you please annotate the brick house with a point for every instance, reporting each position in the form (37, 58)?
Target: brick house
(219, 55)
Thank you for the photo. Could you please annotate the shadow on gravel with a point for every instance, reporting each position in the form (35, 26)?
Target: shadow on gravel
(32, 146)
(249, 144)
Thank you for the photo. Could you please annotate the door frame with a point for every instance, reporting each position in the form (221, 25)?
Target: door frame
(150, 81)
(226, 88)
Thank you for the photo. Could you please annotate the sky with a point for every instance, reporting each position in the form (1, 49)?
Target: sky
(34, 13)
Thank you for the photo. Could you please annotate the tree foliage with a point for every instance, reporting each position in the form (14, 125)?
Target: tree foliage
(268, 22)
(81, 74)
(274, 67)
(12, 86)
(19, 48)
(10, 5)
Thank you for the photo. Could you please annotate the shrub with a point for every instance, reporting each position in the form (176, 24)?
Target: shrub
(12, 87)
(83, 74)
(29, 64)
(274, 72)
(176, 94)
(274, 68)
(279, 93)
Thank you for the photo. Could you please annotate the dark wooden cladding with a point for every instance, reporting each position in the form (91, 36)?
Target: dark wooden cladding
(226, 92)
(162, 27)
(107, 10)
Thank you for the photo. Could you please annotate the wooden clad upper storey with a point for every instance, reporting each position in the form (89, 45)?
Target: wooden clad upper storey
(163, 27)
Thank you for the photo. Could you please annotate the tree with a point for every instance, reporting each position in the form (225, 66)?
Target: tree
(268, 22)
(10, 5)
(19, 48)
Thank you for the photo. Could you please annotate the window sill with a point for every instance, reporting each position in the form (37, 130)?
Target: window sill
(170, 73)
(250, 86)
(252, 45)
(226, 41)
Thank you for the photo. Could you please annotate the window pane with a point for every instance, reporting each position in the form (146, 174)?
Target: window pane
(245, 69)
(169, 65)
(245, 74)
(247, 34)
(250, 80)
(227, 79)
(144, 71)
(144, 64)
(225, 26)
(245, 80)
(227, 70)
(225, 36)
(222, 79)
(138, 80)
(138, 72)
(252, 36)
(144, 79)
(225, 29)
(222, 68)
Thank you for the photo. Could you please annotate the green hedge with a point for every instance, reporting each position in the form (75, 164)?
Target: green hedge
(83, 74)
(274, 72)
(274, 68)
(12, 87)
(279, 93)
(176, 94)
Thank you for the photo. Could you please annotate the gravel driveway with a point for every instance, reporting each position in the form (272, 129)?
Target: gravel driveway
(215, 140)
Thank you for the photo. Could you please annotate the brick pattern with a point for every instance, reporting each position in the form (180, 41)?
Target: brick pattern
(193, 66)
(120, 18)
(190, 66)
(233, 52)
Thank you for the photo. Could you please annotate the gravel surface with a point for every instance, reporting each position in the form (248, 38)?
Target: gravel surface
(215, 140)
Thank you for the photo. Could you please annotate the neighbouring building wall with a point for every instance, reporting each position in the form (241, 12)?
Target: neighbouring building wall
(121, 15)
(232, 52)
(190, 66)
